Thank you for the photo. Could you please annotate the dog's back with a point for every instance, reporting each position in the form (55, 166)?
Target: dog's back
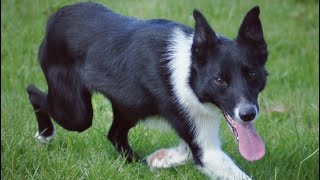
(72, 29)
(100, 43)
(87, 48)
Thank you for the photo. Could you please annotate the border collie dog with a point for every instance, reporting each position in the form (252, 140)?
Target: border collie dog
(187, 76)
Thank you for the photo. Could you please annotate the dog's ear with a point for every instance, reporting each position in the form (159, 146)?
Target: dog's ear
(250, 31)
(204, 36)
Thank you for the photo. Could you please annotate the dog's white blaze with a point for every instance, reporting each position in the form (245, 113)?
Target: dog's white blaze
(203, 117)
(243, 103)
(236, 113)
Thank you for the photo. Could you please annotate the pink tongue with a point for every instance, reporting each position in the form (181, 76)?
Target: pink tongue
(251, 146)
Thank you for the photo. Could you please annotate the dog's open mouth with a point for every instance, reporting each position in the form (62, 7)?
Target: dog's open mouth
(251, 146)
(232, 125)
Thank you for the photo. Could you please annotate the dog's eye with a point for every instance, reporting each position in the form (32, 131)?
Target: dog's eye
(252, 75)
(220, 81)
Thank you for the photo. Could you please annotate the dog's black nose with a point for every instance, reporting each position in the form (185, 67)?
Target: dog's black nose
(247, 114)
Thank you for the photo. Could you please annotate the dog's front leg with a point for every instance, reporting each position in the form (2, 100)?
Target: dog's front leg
(216, 164)
(213, 161)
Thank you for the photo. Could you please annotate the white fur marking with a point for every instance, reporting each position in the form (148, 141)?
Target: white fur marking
(165, 158)
(218, 165)
(44, 139)
(243, 103)
(203, 117)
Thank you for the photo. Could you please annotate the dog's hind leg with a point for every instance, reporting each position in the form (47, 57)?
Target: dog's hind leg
(68, 100)
(68, 103)
(123, 121)
(38, 99)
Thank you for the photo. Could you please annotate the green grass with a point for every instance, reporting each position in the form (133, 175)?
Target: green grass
(292, 135)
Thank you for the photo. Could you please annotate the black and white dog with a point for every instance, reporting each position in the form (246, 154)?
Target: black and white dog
(154, 68)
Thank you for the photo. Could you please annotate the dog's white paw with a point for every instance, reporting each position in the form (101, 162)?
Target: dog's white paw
(236, 175)
(165, 158)
(44, 139)
(240, 176)
(224, 174)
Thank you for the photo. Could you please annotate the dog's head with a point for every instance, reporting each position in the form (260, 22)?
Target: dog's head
(231, 74)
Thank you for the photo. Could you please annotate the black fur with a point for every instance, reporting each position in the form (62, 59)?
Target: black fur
(88, 48)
